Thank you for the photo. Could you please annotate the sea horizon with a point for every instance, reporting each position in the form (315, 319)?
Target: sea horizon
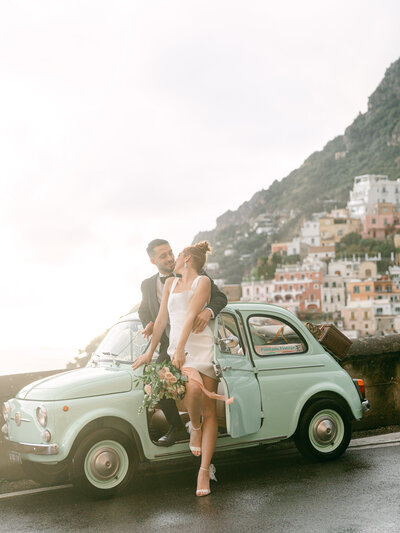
(22, 360)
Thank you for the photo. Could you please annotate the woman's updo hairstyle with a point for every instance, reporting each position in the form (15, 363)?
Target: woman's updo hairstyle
(198, 253)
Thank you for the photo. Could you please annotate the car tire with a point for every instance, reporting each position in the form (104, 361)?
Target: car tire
(324, 431)
(46, 474)
(104, 463)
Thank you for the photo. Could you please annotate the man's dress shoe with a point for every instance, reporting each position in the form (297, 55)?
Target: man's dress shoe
(173, 435)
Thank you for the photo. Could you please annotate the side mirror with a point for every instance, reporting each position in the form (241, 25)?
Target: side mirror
(228, 343)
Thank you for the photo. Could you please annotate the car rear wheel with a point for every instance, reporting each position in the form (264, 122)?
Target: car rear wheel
(104, 463)
(324, 431)
(46, 474)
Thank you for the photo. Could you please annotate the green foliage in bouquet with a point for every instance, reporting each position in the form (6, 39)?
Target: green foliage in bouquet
(159, 381)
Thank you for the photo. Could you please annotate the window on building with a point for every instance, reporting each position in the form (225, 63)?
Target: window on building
(367, 288)
(356, 289)
(365, 315)
(325, 298)
(315, 285)
(334, 284)
(373, 221)
(338, 297)
(379, 310)
(378, 288)
(352, 316)
(326, 284)
(366, 326)
(353, 326)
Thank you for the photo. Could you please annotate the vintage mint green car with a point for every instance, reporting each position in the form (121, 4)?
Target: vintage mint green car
(84, 424)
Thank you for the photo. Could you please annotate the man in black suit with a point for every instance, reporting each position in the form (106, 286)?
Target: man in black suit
(162, 257)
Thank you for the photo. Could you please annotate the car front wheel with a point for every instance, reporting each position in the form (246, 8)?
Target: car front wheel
(324, 431)
(104, 463)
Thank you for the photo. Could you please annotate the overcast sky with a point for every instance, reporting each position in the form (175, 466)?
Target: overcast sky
(122, 121)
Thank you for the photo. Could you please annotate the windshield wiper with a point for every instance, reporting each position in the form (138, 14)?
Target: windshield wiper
(110, 353)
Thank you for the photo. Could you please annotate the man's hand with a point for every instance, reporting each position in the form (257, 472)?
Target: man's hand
(148, 330)
(201, 320)
(143, 359)
(178, 359)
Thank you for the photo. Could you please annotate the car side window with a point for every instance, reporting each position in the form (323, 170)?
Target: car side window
(229, 338)
(273, 337)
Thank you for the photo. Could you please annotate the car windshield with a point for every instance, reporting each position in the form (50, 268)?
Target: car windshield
(124, 342)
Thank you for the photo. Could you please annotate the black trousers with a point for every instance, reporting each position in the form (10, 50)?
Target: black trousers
(168, 405)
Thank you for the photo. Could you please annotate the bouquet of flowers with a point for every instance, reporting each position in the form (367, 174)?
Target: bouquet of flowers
(159, 381)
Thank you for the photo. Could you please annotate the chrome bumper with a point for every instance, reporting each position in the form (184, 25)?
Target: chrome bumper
(36, 449)
(365, 405)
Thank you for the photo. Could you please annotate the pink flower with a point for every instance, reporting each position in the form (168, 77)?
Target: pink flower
(148, 390)
(173, 379)
(169, 375)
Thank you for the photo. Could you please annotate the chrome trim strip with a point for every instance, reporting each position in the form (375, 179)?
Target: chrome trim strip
(288, 368)
(21, 419)
(36, 449)
(223, 446)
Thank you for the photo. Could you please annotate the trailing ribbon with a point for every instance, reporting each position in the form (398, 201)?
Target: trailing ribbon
(194, 375)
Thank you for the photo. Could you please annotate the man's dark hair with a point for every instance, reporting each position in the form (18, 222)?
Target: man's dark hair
(153, 244)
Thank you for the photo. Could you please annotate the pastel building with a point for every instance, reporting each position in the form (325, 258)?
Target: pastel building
(369, 190)
(257, 291)
(383, 221)
(354, 268)
(333, 294)
(334, 228)
(310, 233)
(359, 316)
(298, 288)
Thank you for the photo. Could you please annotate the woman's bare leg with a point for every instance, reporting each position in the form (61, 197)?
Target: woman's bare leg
(194, 406)
(210, 433)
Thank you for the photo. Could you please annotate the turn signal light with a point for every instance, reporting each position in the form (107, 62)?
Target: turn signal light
(361, 386)
(65, 408)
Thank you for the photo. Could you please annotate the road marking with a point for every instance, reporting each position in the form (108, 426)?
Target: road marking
(369, 446)
(33, 491)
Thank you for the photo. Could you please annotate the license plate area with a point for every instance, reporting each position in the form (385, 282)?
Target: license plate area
(15, 457)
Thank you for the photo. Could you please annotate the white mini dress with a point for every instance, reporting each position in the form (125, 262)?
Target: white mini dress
(199, 346)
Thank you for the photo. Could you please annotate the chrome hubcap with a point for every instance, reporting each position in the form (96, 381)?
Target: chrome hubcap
(105, 463)
(324, 429)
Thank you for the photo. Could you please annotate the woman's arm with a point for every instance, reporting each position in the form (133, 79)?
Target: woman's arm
(200, 298)
(159, 326)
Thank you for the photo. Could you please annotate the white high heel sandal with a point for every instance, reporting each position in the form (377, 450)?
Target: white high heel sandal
(194, 449)
(211, 471)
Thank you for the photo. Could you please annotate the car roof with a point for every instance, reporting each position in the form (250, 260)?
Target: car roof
(257, 306)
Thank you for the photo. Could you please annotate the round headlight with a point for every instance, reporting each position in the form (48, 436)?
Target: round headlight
(6, 410)
(41, 415)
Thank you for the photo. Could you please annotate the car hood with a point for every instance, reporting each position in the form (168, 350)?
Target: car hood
(80, 383)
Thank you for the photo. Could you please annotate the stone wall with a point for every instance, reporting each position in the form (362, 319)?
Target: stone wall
(377, 361)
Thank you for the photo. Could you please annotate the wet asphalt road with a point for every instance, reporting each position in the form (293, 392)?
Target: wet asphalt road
(256, 491)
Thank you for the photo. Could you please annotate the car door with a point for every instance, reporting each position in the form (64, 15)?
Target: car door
(286, 367)
(237, 373)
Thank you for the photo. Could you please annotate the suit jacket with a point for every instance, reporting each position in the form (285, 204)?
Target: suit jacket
(149, 306)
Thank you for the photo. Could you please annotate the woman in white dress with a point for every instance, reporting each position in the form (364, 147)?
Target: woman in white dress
(182, 300)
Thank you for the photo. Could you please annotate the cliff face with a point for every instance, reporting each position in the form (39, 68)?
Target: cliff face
(370, 145)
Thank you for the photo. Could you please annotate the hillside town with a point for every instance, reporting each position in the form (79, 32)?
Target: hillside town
(322, 285)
